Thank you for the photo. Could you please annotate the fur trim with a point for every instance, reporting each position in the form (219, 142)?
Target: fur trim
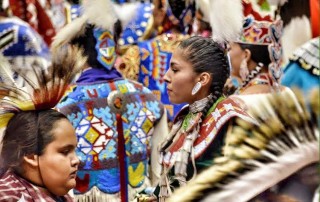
(69, 32)
(101, 13)
(203, 5)
(226, 25)
(126, 12)
(94, 194)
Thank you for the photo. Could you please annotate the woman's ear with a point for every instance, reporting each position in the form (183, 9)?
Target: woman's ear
(247, 55)
(205, 78)
(31, 160)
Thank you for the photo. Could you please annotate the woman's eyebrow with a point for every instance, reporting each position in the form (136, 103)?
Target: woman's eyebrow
(68, 146)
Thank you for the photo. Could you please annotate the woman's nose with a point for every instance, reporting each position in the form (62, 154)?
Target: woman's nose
(166, 77)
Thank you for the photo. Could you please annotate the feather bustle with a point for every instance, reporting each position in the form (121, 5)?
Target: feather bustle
(287, 141)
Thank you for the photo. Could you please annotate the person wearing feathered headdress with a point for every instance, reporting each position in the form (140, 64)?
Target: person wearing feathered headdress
(256, 55)
(99, 102)
(38, 160)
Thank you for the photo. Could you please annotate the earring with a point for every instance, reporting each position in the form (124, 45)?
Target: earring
(196, 88)
(244, 72)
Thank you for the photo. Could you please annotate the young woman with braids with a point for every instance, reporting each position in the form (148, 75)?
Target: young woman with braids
(256, 56)
(147, 61)
(255, 59)
(197, 74)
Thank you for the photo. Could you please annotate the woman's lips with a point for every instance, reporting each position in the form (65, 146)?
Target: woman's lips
(73, 174)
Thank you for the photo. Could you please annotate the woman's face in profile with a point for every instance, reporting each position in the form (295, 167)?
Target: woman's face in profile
(180, 79)
(59, 163)
(236, 56)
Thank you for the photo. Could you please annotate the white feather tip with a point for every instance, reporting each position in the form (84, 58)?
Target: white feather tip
(226, 19)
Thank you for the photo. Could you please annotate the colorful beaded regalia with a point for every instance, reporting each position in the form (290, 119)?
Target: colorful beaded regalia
(97, 102)
(23, 47)
(257, 157)
(263, 32)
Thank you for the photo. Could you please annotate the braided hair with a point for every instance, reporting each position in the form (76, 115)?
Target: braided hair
(206, 55)
(260, 55)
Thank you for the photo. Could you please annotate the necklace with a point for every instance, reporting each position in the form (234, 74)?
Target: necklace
(260, 79)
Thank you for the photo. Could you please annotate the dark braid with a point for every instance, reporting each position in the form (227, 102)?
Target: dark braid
(205, 55)
(252, 75)
(260, 55)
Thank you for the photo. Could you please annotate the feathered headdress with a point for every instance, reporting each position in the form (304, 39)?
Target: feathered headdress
(262, 30)
(260, 156)
(226, 18)
(93, 31)
(45, 91)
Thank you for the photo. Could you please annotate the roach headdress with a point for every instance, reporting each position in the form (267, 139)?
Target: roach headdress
(46, 88)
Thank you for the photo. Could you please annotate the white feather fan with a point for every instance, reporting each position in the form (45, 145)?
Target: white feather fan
(226, 19)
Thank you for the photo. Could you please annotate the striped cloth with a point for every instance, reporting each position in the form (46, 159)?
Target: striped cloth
(14, 188)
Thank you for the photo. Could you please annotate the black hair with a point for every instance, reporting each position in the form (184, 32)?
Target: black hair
(87, 42)
(293, 9)
(259, 53)
(1, 8)
(74, 1)
(177, 7)
(27, 133)
(206, 55)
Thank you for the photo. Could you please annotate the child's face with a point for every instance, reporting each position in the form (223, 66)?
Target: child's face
(59, 163)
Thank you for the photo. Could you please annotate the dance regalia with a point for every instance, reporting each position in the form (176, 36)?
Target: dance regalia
(23, 47)
(86, 106)
(149, 61)
(303, 70)
(207, 143)
(259, 156)
(252, 101)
